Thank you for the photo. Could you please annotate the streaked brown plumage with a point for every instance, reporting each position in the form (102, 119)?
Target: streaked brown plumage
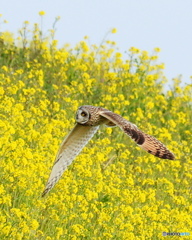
(88, 120)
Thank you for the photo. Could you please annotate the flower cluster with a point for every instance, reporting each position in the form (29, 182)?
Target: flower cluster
(113, 190)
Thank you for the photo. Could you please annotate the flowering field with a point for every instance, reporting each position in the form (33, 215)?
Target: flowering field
(113, 189)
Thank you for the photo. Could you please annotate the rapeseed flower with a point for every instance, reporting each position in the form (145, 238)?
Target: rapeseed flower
(114, 30)
(42, 13)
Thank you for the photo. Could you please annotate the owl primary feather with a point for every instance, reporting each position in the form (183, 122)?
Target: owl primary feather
(88, 120)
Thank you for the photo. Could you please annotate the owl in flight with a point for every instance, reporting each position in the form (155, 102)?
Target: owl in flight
(88, 120)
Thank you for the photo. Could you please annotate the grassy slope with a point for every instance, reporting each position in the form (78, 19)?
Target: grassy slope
(113, 190)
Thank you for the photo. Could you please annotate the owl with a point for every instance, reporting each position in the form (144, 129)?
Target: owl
(88, 120)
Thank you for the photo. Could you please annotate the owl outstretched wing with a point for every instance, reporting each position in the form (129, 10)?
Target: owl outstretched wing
(145, 141)
(70, 148)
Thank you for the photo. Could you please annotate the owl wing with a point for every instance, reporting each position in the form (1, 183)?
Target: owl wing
(70, 148)
(145, 141)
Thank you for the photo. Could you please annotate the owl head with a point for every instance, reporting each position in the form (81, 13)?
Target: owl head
(88, 115)
(82, 115)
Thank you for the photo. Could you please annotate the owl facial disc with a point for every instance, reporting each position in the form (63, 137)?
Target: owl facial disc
(82, 116)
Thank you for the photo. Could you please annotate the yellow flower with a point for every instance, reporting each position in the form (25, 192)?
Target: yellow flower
(59, 232)
(114, 30)
(41, 13)
(4, 68)
(2, 91)
(86, 37)
(34, 224)
(150, 105)
(157, 49)
(134, 50)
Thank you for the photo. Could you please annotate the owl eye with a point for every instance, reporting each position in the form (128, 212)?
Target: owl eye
(83, 114)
